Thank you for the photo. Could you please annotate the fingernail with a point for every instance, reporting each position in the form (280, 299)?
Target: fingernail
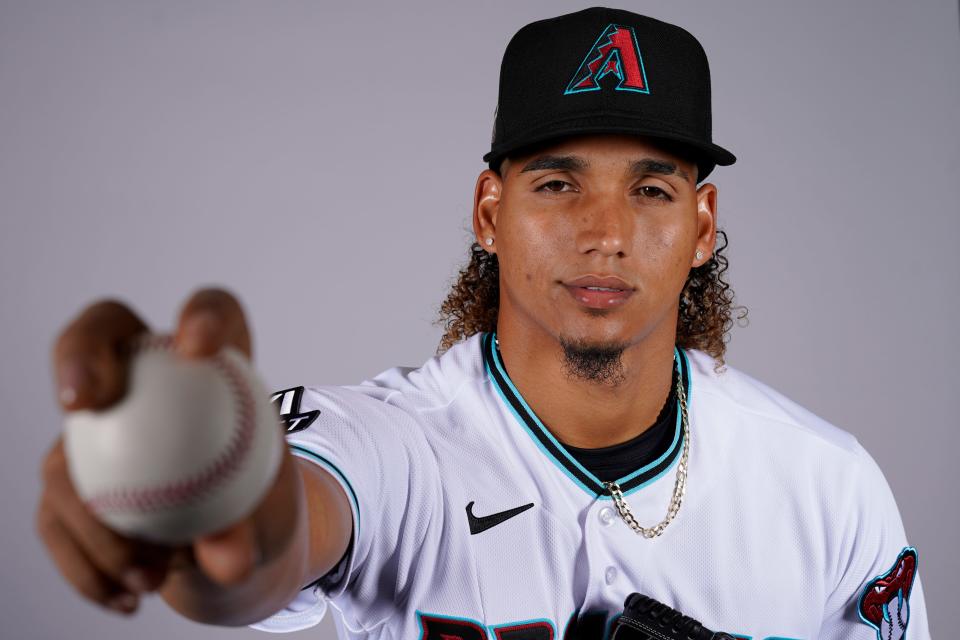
(197, 332)
(136, 580)
(72, 378)
(125, 602)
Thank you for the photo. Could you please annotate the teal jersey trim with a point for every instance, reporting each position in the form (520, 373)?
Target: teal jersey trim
(303, 452)
(555, 450)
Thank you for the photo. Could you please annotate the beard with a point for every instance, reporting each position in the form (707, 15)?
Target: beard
(597, 363)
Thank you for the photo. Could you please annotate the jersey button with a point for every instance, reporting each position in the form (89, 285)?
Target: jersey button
(610, 575)
(607, 516)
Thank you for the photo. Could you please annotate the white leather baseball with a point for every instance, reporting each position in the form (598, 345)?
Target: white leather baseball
(191, 449)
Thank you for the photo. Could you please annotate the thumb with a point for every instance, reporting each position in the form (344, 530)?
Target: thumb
(228, 557)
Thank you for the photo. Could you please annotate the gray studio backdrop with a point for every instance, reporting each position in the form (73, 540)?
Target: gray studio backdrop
(319, 160)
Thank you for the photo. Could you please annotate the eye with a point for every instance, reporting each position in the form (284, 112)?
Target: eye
(656, 193)
(553, 186)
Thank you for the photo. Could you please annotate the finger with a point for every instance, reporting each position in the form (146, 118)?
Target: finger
(91, 356)
(229, 556)
(77, 569)
(210, 320)
(139, 566)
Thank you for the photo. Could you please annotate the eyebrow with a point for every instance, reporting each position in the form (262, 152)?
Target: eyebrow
(556, 163)
(576, 163)
(663, 167)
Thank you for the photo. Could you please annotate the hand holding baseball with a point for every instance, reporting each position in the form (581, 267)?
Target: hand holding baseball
(115, 382)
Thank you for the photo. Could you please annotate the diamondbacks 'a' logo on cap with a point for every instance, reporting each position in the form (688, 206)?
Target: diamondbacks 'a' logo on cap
(615, 51)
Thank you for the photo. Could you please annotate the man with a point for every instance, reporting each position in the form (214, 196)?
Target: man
(578, 440)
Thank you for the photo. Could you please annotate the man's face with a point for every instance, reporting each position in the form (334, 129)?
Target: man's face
(595, 237)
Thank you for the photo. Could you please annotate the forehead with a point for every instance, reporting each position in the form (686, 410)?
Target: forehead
(606, 151)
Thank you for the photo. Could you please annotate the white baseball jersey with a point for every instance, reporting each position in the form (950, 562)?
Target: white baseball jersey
(471, 521)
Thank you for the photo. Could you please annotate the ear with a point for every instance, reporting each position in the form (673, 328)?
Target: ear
(706, 222)
(486, 207)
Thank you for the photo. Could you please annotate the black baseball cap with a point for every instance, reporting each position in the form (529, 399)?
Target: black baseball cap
(605, 70)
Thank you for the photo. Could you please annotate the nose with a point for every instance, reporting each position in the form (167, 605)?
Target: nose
(604, 226)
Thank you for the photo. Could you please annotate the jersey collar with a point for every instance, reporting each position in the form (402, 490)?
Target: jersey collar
(555, 450)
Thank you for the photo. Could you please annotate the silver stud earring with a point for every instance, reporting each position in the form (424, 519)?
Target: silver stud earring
(489, 242)
(699, 254)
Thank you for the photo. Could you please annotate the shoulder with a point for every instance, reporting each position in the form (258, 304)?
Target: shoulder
(437, 382)
(762, 410)
(394, 399)
(784, 447)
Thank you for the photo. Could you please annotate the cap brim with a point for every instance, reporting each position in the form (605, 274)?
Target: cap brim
(706, 154)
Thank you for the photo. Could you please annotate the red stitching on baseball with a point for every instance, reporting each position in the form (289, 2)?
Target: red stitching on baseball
(177, 493)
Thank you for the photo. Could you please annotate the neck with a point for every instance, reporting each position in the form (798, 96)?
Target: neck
(584, 413)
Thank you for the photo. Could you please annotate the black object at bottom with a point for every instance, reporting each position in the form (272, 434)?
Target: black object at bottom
(644, 618)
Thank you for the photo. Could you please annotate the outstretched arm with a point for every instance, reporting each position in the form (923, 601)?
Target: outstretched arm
(237, 576)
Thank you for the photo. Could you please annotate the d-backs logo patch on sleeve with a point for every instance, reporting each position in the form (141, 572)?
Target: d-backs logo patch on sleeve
(288, 403)
(885, 601)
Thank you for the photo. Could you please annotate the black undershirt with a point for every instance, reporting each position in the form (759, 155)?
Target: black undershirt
(616, 461)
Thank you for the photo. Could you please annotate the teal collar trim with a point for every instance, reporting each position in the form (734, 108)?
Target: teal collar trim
(555, 450)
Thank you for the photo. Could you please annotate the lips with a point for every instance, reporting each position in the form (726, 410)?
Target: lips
(599, 292)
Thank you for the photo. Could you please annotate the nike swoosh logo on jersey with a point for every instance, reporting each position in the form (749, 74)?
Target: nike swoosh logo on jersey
(481, 524)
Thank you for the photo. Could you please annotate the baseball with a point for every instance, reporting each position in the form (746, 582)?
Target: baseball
(191, 449)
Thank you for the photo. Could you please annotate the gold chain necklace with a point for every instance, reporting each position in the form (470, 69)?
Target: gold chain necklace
(679, 487)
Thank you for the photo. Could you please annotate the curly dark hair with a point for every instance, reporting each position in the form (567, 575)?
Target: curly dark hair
(703, 323)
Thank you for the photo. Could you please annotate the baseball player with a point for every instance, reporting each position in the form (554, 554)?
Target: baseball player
(579, 439)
